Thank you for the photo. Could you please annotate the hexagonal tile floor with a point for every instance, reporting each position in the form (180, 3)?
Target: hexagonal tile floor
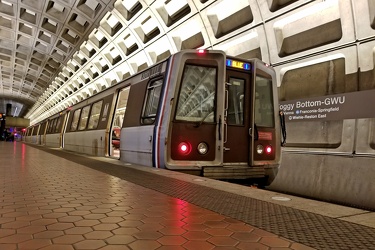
(51, 203)
(64, 201)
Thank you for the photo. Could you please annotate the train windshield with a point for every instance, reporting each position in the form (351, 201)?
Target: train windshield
(264, 109)
(197, 95)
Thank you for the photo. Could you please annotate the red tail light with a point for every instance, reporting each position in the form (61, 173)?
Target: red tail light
(184, 148)
(268, 150)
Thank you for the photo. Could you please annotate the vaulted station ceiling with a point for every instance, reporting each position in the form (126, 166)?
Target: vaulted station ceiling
(37, 38)
(55, 53)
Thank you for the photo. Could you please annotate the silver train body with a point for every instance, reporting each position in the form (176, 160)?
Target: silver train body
(199, 112)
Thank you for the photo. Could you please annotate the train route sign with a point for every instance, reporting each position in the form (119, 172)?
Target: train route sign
(353, 105)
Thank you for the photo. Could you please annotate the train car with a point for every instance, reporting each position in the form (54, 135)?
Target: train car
(30, 133)
(34, 138)
(35, 134)
(199, 111)
(26, 133)
(54, 128)
(42, 132)
(86, 131)
(208, 114)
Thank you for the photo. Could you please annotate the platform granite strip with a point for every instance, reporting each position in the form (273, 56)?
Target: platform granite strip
(310, 229)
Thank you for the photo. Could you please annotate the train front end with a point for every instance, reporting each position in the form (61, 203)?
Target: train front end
(223, 117)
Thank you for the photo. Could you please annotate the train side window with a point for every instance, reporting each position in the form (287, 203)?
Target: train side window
(236, 93)
(58, 124)
(48, 126)
(35, 130)
(152, 101)
(74, 125)
(42, 128)
(53, 126)
(94, 115)
(196, 102)
(84, 118)
(264, 109)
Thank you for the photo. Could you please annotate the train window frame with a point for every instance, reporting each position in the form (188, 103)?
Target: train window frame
(75, 120)
(82, 124)
(42, 128)
(48, 126)
(244, 110)
(91, 116)
(121, 106)
(35, 130)
(58, 122)
(153, 86)
(214, 103)
(265, 77)
(53, 126)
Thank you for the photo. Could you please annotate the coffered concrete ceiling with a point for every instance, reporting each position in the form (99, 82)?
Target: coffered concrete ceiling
(37, 38)
(56, 53)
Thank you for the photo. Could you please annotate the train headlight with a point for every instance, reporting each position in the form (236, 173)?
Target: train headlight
(202, 148)
(184, 148)
(260, 149)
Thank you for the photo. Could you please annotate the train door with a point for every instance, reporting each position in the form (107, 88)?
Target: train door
(267, 133)
(43, 133)
(58, 128)
(237, 144)
(195, 131)
(63, 128)
(115, 134)
(38, 140)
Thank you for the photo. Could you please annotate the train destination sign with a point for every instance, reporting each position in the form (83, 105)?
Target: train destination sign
(238, 64)
(353, 105)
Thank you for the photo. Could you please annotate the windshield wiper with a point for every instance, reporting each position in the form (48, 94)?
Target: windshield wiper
(197, 125)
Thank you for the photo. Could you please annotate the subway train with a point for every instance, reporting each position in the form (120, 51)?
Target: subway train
(199, 111)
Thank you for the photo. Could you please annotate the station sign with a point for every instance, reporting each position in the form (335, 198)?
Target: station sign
(353, 105)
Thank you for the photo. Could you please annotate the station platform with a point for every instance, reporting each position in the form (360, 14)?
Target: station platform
(57, 200)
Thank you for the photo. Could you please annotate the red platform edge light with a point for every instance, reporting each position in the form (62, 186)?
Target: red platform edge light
(184, 148)
(201, 51)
